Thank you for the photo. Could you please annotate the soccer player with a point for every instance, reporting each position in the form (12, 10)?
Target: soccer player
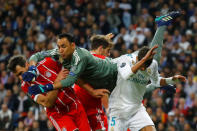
(101, 45)
(125, 104)
(98, 73)
(134, 72)
(62, 106)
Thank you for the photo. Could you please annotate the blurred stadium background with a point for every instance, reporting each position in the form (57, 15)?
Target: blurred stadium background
(28, 26)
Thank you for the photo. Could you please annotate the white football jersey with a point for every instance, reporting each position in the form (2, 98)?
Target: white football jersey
(127, 96)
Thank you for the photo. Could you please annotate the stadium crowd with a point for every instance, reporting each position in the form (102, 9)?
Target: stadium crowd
(28, 26)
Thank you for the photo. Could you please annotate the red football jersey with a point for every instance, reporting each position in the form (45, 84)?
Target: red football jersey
(48, 70)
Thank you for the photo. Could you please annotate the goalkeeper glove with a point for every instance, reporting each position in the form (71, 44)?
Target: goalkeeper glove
(38, 89)
(31, 74)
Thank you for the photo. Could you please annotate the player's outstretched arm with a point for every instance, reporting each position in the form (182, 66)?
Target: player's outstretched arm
(32, 72)
(35, 58)
(172, 80)
(148, 56)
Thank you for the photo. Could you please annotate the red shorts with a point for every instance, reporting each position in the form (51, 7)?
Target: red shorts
(74, 120)
(93, 108)
(98, 121)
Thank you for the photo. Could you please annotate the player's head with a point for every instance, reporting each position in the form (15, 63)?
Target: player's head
(101, 45)
(18, 65)
(141, 54)
(66, 45)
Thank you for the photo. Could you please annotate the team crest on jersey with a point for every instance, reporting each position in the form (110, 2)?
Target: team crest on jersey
(48, 74)
(133, 62)
(149, 71)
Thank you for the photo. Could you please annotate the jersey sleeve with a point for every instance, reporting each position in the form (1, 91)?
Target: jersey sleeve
(79, 65)
(124, 67)
(41, 55)
(155, 77)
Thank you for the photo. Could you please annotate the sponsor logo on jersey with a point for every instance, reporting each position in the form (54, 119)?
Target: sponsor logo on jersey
(122, 65)
(48, 74)
(133, 62)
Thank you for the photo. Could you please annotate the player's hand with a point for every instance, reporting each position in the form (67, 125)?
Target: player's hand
(98, 93)
(62, 75)
(150, 53)
(109, 36)
(31, 74)
(38, 89)
(178, 78)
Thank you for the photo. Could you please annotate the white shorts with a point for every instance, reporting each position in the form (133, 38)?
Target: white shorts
(136, 122)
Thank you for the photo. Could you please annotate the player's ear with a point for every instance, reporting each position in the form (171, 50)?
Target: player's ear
(100, 48)
(73, 45)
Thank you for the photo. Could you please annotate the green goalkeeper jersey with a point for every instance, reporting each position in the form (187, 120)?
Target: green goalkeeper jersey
(97, 72)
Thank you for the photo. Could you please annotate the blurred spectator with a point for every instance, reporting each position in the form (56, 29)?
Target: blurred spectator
(28, 121)
(181, 122)
(24, 103)
(104, 25)
(190, 86)
(126, 18)
(139, 35)
(113, 20)
(5, 117)
(20, 127)
(2, 92)
(171, 119)
(184, 44)
(35, 126)
(177, 36)
(126, 37)
(161, 127)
